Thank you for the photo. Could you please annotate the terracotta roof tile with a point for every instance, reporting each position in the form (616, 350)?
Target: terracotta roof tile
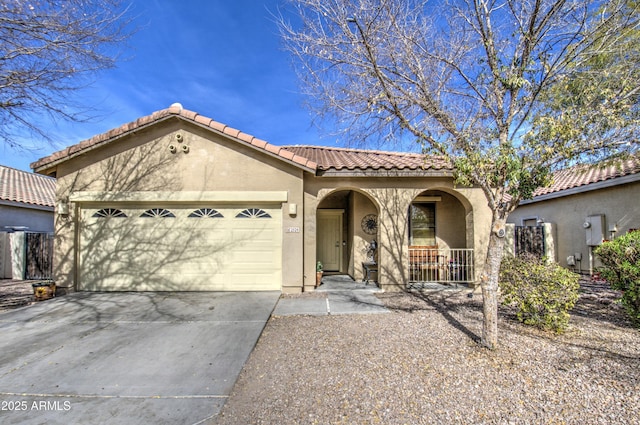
(259, 143)
(583, 175)
(231, 131)
(245, 137)
(189, 114)
(286, 154)
(27, 188)
(203, 120)
(217, 126)
(273, 148)
(329, 158)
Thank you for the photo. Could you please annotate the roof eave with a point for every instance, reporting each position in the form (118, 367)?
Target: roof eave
(26, 205)
(393, 172)
(631, 178)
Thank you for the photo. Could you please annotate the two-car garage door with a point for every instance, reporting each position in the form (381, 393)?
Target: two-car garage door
(180, 248)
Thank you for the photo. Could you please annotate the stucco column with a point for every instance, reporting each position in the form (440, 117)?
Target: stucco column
(393, 248)
(65, 250)
(309, 244)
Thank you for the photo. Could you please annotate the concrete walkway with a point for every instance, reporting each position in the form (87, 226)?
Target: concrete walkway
(343, 296)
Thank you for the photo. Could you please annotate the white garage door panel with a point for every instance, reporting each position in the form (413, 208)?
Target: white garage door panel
(182, 253)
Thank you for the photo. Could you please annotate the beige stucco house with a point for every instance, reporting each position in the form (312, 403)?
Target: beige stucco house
(585, 205)
(178, 201)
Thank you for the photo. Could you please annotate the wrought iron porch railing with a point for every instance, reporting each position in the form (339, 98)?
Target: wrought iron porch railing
(445, 266)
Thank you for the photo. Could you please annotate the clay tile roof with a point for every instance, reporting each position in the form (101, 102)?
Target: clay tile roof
(329, 158)
(26, 188)
(311, 158)
(174, 110)
(583, 175)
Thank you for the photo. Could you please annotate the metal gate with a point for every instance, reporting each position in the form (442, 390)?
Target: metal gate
(39, 256)
(529, 239)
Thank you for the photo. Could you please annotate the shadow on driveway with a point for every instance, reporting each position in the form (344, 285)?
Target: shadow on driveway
(123, 358)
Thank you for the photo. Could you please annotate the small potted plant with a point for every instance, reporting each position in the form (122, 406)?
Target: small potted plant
(44, 290)
(319, 273)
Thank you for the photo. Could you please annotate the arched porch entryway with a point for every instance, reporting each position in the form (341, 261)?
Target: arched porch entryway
(345, 229)
(440, 239)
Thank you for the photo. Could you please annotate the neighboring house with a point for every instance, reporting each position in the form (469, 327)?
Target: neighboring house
(26, 204)
(177, 201)
(27, 201)
(586, 205)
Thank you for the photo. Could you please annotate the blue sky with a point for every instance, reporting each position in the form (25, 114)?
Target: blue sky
(220, 58)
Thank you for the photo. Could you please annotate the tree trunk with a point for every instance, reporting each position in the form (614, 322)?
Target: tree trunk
(489, 282)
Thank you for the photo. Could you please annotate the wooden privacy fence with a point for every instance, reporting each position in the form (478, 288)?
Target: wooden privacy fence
(39, 256)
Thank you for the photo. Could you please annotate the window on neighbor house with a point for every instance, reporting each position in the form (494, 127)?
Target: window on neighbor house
(422, 224)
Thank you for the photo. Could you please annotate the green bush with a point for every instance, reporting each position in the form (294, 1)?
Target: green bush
(621, 260)
(542, 293)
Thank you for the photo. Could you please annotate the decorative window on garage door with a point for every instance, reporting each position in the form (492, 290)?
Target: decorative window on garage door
(253, 213)
(108, 212)
(206, 212)
(158, 212)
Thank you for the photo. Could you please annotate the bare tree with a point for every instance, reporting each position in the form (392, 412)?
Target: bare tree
(48, 50)
(464, 78)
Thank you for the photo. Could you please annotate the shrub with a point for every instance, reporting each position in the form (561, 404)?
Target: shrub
(621, 260)
(542, 293)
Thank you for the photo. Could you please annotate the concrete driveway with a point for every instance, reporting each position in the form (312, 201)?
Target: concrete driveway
(126, 358)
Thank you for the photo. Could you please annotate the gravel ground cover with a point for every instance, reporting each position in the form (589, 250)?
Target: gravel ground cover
(421, 364)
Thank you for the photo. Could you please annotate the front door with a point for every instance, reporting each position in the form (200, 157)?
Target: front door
(329, 239)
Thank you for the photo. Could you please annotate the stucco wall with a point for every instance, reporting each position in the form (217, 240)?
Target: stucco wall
(143, 163)
(618, 204)
(35, 220)
(391, 197)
